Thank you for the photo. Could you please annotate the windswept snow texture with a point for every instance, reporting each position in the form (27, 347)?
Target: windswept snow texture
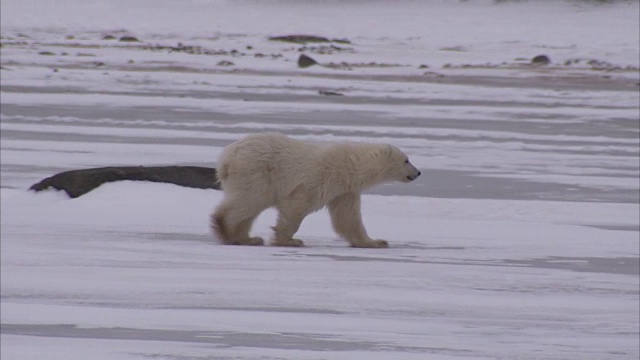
(519, 241)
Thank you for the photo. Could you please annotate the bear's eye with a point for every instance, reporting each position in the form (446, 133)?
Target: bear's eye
(406, 161)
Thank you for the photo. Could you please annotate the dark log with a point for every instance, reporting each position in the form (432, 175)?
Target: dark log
(79, 182)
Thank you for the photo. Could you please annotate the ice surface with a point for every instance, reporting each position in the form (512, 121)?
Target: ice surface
(520, 240)
(135, 263)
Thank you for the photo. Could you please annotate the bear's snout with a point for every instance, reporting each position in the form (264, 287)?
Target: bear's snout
(413, 177)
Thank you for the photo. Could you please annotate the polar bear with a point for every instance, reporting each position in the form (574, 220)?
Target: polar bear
(298, 178)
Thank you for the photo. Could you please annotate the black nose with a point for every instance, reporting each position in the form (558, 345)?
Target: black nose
(419, 173)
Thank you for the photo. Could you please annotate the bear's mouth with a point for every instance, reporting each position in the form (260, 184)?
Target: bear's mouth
(413, 177)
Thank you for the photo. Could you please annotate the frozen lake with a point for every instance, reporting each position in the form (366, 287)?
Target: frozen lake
(519, 241)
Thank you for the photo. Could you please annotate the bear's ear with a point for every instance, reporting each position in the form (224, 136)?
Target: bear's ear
(388, 150)
(383, 152)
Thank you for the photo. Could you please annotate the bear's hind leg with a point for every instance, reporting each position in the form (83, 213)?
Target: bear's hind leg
(232, 220)
(242, 232)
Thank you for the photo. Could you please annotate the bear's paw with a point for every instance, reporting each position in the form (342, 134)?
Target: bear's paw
(252, 241)
(379, 244)
(289, 243)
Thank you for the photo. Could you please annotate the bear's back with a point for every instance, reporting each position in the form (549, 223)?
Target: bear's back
(272, 156)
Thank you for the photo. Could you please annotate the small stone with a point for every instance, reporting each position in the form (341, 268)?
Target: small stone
(46, 53)
(453, 48)
(108, 37)
(225, 63)
(433, 74)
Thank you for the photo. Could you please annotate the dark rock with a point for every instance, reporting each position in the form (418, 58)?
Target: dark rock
(46, 53)
(225, 63)
(305, 61)
(129, 39)
(300, 39)
(108, 37)
(79, 182)
(541, 60)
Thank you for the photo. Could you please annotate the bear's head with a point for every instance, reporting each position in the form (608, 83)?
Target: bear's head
(401, 168)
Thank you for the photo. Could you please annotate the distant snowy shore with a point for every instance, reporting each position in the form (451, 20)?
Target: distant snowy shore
(428, 38)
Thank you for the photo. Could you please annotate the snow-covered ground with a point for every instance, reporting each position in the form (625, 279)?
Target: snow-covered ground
(520, 240)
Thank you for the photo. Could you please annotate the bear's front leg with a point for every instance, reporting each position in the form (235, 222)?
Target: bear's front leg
(347, 222)
(291, 212)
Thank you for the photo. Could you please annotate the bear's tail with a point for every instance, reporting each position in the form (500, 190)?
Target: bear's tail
(219, 227)
(223, 172)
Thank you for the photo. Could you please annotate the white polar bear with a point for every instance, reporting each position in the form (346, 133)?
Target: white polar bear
(298, 178)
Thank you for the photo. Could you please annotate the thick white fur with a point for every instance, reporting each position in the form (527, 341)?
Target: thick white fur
(298, 178)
